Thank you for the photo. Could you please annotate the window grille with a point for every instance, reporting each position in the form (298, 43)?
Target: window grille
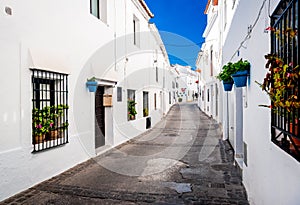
(285, 45)
(49, 109)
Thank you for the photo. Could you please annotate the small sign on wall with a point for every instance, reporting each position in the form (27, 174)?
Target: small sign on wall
(107, 100)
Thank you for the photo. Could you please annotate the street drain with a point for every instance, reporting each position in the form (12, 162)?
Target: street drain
(216, 185)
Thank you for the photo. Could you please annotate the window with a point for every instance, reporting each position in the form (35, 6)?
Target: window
(156, 74)
(145, 104)
(225, 13)
(94, 8)
(136, 31)
(119, 94)
(211, 62)
(173, 85)
(49, 109)
(98, 8)
(284, 44)
(207, 95)
(170, 98)
(155, 106)
(131, 104)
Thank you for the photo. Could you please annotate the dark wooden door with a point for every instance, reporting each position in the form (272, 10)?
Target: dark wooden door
(99, 118)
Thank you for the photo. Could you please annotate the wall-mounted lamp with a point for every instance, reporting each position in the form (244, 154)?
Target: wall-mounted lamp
(8, 10)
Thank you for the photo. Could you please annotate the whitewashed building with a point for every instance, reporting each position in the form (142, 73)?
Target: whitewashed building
(47, 54)
(208, 64)
(186, 82)
(250, 30)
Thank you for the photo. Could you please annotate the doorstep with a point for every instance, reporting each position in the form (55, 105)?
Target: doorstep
(239, 160)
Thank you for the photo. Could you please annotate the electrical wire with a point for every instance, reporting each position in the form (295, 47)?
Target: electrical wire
(250, 31)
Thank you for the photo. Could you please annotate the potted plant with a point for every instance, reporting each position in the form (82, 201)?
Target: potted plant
(283, 77)
(280, 83)
(131, 109)
(42, 122)
(92, 84)
(241, 72)
(145, 112)
(57, 113)
(225, 76)
(46, 122)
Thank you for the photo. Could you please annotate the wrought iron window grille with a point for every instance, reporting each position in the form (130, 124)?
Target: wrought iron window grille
(49, 109)
(285, 121)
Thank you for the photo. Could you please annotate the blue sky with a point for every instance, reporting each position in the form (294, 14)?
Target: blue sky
(181, 24)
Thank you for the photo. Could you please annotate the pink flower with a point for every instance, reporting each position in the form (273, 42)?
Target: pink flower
(51, 124)
(269, 28)
(39, 126)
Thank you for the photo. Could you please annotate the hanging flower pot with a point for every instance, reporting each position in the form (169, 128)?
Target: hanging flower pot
(240, 78)
(92, 84)
(227, 85)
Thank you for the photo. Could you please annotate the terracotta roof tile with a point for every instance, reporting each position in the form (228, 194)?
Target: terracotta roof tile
(214, 3)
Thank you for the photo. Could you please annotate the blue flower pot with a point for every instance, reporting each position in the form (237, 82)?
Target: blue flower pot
(240, 78)
(227, 85)
(92, 86)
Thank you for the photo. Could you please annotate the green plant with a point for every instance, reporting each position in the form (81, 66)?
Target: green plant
(92, 79)
(241, 65)
(179, 99)
(225, 74)
(145, 112)
(281, 83)
(46, 119)
(131, 109)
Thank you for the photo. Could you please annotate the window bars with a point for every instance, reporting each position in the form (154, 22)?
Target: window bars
(49, 109)
(285, 45)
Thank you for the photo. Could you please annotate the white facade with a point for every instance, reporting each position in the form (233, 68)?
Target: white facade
(185, 83)
(270, 175)
(208, 63)
(45, 35)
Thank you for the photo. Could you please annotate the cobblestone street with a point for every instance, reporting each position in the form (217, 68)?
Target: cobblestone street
(182, 160)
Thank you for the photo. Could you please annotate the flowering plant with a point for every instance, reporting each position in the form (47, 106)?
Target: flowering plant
(46, 119)
(131, 109)
(281, 83)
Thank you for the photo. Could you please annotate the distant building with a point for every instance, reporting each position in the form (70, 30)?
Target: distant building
(186, 83)
(208, 62)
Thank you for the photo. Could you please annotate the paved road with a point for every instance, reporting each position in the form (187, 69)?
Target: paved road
(182, 160)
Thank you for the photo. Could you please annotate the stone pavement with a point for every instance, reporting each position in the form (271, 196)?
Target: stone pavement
(182, 160)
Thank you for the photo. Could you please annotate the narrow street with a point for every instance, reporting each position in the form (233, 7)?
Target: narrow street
(182, 160)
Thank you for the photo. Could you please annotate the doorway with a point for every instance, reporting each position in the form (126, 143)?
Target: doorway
(99, 118)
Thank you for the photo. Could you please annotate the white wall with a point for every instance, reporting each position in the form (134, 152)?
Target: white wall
(46, 35)
(210, 56)
(272, 176)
